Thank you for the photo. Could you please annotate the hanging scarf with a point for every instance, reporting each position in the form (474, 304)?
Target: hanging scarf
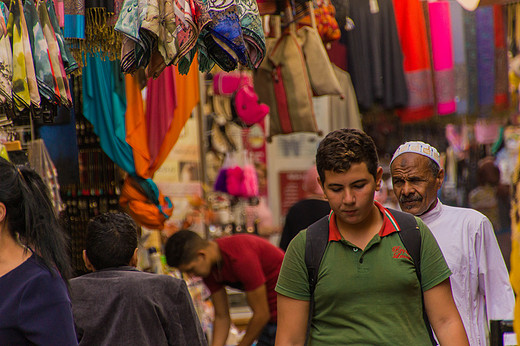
(470, 35)
(442, 53)
(69, 63)
(416, 62)
(60, 78)
(6, 64)
(187, 31)
(501, 62)
(485, 59)
(223, 40)
(21, 94)
(459, 57)
(252, 30)
(40, 53)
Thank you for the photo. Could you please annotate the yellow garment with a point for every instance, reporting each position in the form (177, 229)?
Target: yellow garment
(515, 247)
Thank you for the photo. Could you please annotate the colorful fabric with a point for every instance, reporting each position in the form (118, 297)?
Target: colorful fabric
(485, 59)
(442, 54)
(6, 64)
(187, 30)
(60, 78)
(160, 20)
(470, 47)
(459, 57)
(21, 94)
(40, 53)
(223, 39)
(252, 31)
(411, 27)
(74, 19)
(501, 62)
(69, 63)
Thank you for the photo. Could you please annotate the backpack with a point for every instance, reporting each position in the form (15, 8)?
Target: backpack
(317, 239)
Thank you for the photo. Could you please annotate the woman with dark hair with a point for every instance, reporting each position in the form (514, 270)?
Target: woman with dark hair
(34, 305)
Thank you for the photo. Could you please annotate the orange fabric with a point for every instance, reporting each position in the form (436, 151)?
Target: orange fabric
(140, 208)
(187, 98)
(136, 126)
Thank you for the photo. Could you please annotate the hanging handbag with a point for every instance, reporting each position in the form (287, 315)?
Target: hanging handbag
(321, 74)
(282, 82)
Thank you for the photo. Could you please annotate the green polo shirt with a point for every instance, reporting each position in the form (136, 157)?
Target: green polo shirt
(370, 297)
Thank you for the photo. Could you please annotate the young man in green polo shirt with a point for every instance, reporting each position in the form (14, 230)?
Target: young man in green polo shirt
(367, 291)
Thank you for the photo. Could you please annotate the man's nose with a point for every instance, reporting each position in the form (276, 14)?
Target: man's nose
(407, 189)
(349, 197)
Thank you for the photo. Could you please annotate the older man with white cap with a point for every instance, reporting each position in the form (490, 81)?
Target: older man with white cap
(480, 281)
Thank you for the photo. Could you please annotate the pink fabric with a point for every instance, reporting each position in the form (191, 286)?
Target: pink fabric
(442, 53)
(160, 107)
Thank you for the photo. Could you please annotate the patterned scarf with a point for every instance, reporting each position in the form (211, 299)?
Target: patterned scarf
(21, 94)
(40, 53)
(6, 64)
(60, 77)
(252, 30)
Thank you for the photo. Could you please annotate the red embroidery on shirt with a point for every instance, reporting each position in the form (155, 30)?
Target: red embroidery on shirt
(399, 252)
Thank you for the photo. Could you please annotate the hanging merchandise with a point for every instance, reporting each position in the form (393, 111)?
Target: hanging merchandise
(6, 64)
(442, 54)
(485, 59)
(237, 177)
(226, 83)
(326, 22)
(321, 75)
(374, 55)
(165, 33)
(413, 38)
(40, 161)
(245, 107)
(282, 82)
(459, 57)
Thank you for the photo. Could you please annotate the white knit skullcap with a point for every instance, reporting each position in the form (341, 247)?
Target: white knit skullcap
(420, 148)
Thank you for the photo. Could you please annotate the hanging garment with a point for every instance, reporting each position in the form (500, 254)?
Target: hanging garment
(442, 54)
(252, 31)
(69, 63)
(29, 62)
(470, 36)
(40, 53)
(375, 59)
(187, 31)
(344, 112)
(222, 40)
(21, 94)
(501, 61)
(411, 25)
(60, 76)
(485, 60)
(160, 107)
(6, 64)
(459, 57)
(74, 19)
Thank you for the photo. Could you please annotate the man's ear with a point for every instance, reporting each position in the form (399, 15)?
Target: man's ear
(440, 178)
(379, 177)
(133, 260)
(3, 212)
(87, 262)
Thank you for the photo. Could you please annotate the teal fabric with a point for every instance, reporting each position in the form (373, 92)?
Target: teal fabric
(104, 105)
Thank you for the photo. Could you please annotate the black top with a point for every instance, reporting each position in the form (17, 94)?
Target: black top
(300, 216)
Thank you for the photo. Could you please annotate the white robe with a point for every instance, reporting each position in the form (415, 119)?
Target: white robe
(480, 281)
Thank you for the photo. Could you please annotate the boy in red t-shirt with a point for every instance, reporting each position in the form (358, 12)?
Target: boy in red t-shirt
(243, 261)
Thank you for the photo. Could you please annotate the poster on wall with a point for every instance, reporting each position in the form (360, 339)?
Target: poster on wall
(291, 189)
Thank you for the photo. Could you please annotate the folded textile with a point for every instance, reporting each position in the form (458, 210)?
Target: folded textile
(252, 31)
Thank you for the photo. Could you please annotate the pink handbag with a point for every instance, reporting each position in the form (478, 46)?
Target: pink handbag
(226, 83)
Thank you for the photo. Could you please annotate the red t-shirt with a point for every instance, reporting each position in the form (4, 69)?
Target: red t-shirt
(248, 262)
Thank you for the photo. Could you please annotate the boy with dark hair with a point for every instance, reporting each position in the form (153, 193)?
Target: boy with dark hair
(118, 305)
(367, 290)
(243, 261)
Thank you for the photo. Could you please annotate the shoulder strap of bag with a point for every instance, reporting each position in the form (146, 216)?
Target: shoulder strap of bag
(411, 238)
(315, 245)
